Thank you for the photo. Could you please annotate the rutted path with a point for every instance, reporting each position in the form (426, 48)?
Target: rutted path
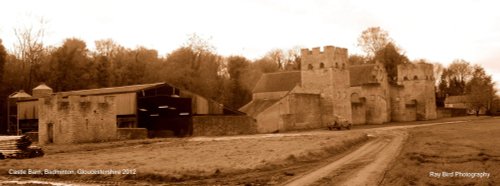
(375, 157)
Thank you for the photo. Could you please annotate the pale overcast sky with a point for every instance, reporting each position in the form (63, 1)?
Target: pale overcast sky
(439, 31)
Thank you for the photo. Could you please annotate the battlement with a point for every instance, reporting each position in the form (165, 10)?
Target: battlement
(415, 71)
(326, 50)
(329, 57)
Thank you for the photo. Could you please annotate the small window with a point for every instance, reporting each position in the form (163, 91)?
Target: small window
(309, 67)
(406, 78)
(343, 66)
(336, 65)
(415, 78)
(321, 65)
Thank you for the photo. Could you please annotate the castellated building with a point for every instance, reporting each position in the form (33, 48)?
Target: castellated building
(327, 86)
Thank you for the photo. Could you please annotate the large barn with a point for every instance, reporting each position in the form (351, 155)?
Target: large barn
(161, 109)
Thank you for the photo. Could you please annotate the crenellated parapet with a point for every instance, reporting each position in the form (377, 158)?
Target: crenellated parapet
(415, 71)
(329, 57)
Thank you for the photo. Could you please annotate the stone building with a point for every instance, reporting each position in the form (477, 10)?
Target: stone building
(76, 119)
(126, 112)
(327, 85)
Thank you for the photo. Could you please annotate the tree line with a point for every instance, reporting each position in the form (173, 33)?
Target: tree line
(194, 66)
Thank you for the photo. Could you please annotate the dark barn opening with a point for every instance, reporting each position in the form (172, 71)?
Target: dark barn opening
(164, 113)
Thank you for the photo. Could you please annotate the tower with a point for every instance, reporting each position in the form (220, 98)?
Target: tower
(326, 73)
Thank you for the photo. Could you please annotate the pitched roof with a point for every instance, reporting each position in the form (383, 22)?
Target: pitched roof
(110, 90)
(42, 86)
(362, 74)
(20, 94)
(276, 82)
(255, 107)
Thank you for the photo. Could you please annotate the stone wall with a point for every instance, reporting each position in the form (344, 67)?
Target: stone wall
(131, 133)
(450, 112)
(271, 119)
(377, 105)
(370, 101)
(223, 125)
(76, 119)
(305, 112)
(415, 93)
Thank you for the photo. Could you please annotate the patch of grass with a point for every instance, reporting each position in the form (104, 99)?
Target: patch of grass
(179, 159)
(465, 147)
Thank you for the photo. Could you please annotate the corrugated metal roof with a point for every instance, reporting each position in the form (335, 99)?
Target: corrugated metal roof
(110, 90)
(362, 74)
(276, 82)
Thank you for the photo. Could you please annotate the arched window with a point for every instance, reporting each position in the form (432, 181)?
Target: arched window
(415, 78)
(309, 67)
(321, 65)
(406, 78)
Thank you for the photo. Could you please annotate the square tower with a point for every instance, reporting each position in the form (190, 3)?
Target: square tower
(326, 72)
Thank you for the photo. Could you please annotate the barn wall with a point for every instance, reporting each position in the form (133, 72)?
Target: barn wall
(126, 104)
(27, 109)
(223, 125)
(77, 119)
(201, 105)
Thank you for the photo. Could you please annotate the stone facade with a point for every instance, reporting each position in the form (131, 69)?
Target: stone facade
(223, 125)
(414, 96)
(360, 93)
(327, 73)
(76, 119)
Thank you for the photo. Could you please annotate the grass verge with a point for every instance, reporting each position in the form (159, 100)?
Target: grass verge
(434, 155)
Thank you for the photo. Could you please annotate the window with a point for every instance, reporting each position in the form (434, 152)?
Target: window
(309, 67)
(415, 78)
(321, 65)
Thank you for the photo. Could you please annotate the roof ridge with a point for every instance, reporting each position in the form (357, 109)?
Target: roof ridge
(126, 86)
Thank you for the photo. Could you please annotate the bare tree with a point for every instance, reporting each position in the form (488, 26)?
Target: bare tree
(460, 70)
(293, 59)
(373, 39)
(29, 48)
(438, 70)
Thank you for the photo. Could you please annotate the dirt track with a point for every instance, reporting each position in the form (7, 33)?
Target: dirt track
(364, 166)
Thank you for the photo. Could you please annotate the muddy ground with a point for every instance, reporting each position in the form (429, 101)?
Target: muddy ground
(320, 157)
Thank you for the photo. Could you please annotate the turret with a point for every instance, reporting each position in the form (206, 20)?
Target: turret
(42, 90)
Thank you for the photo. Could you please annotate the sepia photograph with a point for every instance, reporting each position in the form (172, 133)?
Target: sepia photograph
(249, 92)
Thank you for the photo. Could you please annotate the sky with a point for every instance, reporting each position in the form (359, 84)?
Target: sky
(439, 31)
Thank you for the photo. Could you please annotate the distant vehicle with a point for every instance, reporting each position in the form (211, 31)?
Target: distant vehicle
(338, 123)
